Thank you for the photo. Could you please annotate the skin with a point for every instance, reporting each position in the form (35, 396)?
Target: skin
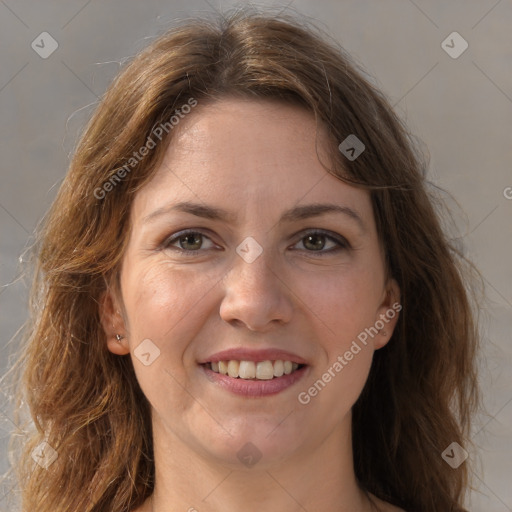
(256, 158)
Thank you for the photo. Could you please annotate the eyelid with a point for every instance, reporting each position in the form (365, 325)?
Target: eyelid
(340, 240)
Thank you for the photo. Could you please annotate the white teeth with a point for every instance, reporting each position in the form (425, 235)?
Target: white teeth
(233, 368)
(223, 367)
(263, 370)
(247, 370)
(278, 368)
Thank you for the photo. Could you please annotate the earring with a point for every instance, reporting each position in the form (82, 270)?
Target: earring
(384, 333)
(119, 337)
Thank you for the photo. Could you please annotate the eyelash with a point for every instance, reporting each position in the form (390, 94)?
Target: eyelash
(338, 239)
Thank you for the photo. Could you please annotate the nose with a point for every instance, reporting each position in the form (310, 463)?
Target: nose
(256, 294)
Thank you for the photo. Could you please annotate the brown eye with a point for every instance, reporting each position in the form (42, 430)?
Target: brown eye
(188, 242)
(315, 241)
(194, 240)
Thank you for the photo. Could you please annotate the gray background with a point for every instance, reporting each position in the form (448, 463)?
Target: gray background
(460, 108)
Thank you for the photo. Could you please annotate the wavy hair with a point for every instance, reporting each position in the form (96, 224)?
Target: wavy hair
(85, 402)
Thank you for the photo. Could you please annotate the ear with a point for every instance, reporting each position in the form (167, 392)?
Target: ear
(113, 324)
(387, 314)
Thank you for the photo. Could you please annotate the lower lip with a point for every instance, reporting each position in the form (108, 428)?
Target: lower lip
(255, 388)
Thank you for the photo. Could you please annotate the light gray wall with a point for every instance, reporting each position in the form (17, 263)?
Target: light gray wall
(461, 109)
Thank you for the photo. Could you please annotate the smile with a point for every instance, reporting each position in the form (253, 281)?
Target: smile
(254, 378)
(261, 370)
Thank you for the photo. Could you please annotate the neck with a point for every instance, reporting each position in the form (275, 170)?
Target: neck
(319, 477)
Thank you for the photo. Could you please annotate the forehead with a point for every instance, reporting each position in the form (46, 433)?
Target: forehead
(255, 155)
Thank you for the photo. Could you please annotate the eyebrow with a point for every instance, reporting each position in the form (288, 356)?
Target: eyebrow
(294, 214)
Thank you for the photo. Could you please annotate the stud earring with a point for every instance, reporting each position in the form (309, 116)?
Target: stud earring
(119, 337)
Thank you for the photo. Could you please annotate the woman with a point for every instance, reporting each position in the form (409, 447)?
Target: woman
(244, 299)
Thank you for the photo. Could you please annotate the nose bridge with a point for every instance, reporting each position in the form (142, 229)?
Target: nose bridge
(254, 294)
(253, 265)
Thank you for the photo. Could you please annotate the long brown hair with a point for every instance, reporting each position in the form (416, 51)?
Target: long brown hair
(86, 403)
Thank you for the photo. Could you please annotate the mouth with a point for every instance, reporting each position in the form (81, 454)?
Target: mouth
(254, 370)
(254, 378)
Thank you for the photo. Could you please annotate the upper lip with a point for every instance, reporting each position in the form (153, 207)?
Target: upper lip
(248, 354)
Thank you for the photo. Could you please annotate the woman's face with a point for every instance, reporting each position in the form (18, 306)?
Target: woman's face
(256, 277)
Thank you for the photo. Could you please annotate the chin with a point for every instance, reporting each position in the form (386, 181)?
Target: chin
(259, 446)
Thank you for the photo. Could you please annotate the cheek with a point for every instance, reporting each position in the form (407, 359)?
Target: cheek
(342, 371)
(343, 303)
(160, 299)
(165, 305)
(342, 306)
